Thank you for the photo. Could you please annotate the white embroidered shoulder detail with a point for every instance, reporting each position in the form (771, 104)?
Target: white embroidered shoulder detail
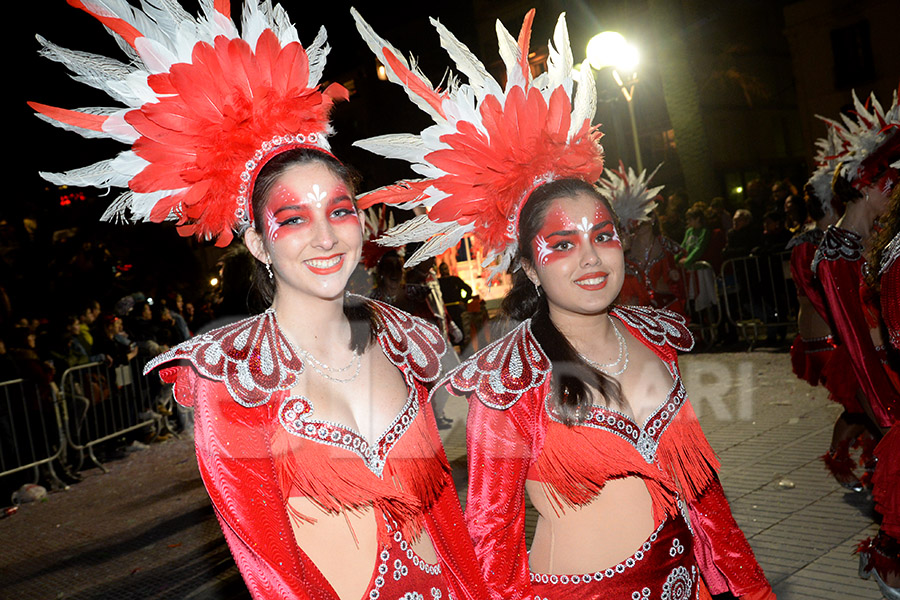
(658, 325)
(838, 244)
(504, 371)
(890, 254)
(251, 357)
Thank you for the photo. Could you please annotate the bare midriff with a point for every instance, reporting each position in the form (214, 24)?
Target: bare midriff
(809, 323)
(344, 546)
(593, 537)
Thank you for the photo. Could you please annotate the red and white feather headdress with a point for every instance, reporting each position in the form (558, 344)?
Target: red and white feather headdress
(870, 142)
(490, 145)
(629, 194)
(204, 108)
(828, 157)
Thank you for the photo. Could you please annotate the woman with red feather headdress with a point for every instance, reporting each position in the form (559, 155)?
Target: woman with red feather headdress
(313, 431)
(625, 510)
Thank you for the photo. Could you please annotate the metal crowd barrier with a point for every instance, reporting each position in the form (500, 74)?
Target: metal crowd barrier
(759, 294)
(103, 403)
(31, 432)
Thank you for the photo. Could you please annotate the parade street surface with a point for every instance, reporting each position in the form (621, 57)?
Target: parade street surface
(146, 529)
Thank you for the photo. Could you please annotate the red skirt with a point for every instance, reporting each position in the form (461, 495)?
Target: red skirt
(886, 482)
(810, 357)
(839, 379)
(663, 567)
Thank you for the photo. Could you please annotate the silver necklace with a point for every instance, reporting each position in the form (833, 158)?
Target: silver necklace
(623, 354)
(320, 367)
(327, 370)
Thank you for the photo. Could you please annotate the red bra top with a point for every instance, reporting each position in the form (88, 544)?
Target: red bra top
(401, 473)
(803, 249)
(668, 451)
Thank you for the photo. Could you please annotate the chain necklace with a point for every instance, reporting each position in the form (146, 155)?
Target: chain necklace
(321, 368)
(623, 354)
(327, 370)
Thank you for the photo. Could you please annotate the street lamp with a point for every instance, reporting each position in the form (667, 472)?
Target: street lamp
(609, 49)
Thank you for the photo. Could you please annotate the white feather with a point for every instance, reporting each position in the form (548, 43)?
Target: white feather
(157, 57)
(559, 60)
(404, 146)
(377, 45)
(466, 62)
(317, 53)
(585, 100)
(509, 53)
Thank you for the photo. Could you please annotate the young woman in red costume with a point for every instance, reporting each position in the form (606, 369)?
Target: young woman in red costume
(314, 435)
(863, 181)
(582, 406)
(880, 557)
(816, 356)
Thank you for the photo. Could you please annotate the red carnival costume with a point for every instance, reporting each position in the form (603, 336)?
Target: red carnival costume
(206, 108)
(257, 446)
(513, 435)
(651, 281)
(838, 265)
(820, 360)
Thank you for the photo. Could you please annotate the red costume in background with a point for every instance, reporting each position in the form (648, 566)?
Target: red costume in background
(512, 437)
(838, 265)
(257, 446)
(820, 360)
(886, 479)
(652, 284)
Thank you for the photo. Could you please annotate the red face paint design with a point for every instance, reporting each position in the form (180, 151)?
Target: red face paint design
(288, 212)
(561, 235)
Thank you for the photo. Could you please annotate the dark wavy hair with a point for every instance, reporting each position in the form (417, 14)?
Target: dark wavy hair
(571, 376)
(890, 226)
(363, 323)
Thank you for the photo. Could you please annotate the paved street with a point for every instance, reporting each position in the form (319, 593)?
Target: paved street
(146, 530)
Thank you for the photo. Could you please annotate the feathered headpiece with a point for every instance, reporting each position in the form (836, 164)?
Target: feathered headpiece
(490, 146)
(629, 195)
(870, 142)
(205, 108)
(828, 157)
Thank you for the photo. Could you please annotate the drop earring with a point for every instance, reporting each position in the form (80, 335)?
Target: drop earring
(269, 270)
(537, 288)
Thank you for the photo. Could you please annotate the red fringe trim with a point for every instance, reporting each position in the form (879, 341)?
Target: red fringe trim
(337, 480)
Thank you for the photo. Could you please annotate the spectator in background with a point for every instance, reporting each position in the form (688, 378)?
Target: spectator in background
(775, 236)
(89, 313)
(795, 216)
(672, 222)
(696, 237)
(456, 294)
(143, 330)
(113, 342)
(718, 216)
(176, 309)
(742, 237)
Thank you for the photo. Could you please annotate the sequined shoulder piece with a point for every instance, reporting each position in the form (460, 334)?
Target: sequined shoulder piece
(658, 325)
(838, 244)
(410, 343)
(251, 357)
(670, 245)
(890, 254)
(810, 236)
(503, 371)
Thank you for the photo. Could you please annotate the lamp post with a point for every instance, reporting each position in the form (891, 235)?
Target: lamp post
(609, 49)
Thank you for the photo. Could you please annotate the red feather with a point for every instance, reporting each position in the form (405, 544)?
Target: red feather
(413, 82)
(123, 28)
(70, 117)
(524, 43)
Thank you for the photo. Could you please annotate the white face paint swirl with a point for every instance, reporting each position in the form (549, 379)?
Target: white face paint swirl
(543, 249)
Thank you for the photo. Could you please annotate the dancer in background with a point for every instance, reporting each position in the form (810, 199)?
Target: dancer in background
(582, 405)
(880, 557)
(652, 277)
(816, 356)
(862, 181)
(314, 434)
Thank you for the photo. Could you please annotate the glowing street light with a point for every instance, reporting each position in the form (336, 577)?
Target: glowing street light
(609, 49)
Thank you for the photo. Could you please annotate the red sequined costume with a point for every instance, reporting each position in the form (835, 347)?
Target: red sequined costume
(651, 283)
(885, 486)
(838, 265)
(512, 437)
(814, 360)
(257, 446)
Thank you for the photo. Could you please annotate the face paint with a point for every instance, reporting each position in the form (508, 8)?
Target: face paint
(561, 234)
(285, 210)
